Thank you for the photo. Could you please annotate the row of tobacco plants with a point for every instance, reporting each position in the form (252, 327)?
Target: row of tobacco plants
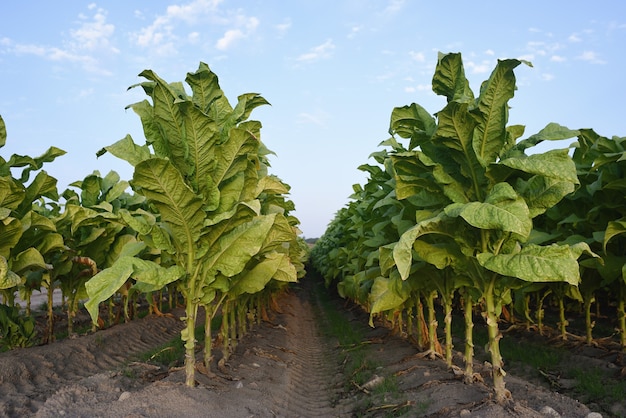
(201, 218)
(458, 210)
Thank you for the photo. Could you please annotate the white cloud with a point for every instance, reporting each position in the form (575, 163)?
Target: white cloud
(318, 52)
(476, 68)
(591, 56)
(393, 7)
(94, 35)
(418, 87)
(417, 56)
(84, 47)
(574, 38)
(547, 77)
(490, 52)
(526, 57)
(558, 58)
(354, 31)
(161, 34)
(284, 27)
(231, 36)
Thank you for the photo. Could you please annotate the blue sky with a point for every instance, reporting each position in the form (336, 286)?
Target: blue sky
(332, 71)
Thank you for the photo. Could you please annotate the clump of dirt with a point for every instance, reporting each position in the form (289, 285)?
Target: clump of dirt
(283, 368)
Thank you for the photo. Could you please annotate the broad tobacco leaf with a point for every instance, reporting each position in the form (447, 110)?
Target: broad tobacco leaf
(104, 284)
(534, 263)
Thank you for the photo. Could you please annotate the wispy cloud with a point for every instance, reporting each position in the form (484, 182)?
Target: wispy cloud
(246, 26)
(478, 68)
(394, 7)
(318, 117)
(318, 52)
(163, 34)
(558, 58)
(574, 38)
(86, 45)
(283, 28)
(591, 57)
(354, 31)
(417, 56)
(94, 34)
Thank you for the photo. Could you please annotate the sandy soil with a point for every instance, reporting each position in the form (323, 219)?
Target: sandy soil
(282, 368)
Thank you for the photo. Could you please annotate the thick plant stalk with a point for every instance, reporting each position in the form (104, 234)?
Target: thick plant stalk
(541, 312)
(208, 340)
(494, 345)
(409, 322)
(191, 310)
(469, 337)
(563, 323)
(224, 331)
(50, 336)
(420, 320)
(588, 323)
(232, 328)
(432, 322)
(447, 306)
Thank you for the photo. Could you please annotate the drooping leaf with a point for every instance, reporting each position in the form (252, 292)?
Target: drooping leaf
(275, 265)
(387, 293)
(503, 210)
(554, 263)
(104, 284)
(234, 249)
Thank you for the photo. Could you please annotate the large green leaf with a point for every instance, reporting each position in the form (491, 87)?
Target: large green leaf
(534, 263)
(10, 234)
(449, 79)
(491, 112)
(8, 278)
(104, 284)
(11, 193)
(413, 122)
(613, 229)
(503, 210)
(403, 251)
(28, 259)
(274, 266)
(179, 206)
(207, 94)
(233, 250)
(542, 193)
(127, 150)
(387, 293)
(556, 164)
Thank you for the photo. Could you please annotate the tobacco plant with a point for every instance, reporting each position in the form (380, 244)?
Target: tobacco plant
(200, 170)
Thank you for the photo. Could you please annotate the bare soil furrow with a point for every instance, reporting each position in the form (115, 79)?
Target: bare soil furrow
(30, 376)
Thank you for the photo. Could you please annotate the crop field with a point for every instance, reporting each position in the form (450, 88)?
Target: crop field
(470, 275)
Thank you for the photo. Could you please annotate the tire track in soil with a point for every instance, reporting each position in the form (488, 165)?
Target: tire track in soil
(30, 376)
(313, 383)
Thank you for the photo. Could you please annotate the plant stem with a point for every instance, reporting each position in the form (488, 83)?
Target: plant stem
(621, 314)
(494, 344)
(588, 300)
(562, 321)
(190, 341)
(432, 321)
(469, 336)
(448, 327)
(208, 341)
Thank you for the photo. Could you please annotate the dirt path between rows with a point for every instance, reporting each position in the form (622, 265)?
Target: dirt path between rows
(282, 368)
